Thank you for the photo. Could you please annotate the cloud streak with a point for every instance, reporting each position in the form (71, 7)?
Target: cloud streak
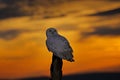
(107, 13)
(13, 33)
(103, 31)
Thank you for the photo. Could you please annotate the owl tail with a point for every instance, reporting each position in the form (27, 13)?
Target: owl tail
(69, 57)
(71, 60)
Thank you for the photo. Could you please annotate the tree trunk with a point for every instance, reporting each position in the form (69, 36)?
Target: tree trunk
(56, 68)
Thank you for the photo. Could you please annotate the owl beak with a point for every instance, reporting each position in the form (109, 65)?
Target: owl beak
(52, 32)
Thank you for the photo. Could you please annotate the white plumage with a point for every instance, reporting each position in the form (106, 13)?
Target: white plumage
(58, 45)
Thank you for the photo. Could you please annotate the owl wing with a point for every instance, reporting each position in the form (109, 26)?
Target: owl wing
(66, 52)
(66, 43)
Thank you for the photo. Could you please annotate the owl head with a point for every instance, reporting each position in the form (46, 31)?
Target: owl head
(51, 32)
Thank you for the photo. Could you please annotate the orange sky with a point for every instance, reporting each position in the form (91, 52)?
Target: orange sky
(26, 55)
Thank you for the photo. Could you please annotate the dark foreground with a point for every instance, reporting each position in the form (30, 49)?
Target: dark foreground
(89, 76)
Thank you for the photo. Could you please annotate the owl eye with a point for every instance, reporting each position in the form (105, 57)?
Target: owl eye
(54, 30)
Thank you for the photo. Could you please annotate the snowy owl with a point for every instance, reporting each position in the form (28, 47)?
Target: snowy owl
(58, 45)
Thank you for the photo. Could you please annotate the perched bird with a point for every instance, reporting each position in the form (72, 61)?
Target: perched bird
(58, 45)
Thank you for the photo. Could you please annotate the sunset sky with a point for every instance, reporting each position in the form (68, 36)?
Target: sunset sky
(92, 28)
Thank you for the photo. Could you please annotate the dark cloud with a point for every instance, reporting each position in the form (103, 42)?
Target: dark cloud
(17, 8)
(13, 33)
(107, 13)
(103, 31)
(9, 13)
(53, 16)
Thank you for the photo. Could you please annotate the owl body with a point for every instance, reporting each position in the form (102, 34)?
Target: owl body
(59, 46)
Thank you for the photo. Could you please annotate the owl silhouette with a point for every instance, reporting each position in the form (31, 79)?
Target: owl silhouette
(58, 45)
